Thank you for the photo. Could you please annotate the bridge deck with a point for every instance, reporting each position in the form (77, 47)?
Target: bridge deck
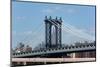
(59, 50)
(52, 59)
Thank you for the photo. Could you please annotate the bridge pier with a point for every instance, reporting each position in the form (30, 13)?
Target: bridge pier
(24, 63)
(45, 62)
(73, 55)
(18, 63)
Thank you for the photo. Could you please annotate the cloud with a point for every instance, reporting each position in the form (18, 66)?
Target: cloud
(71, 10)
(27, 32)
(59, 9)
(51, 10)
(14, 32)
(48, 11)
(92, 30)
(22, 33)
(21, 17)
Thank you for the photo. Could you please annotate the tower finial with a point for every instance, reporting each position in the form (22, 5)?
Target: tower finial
(60, 19)
(56, 17)
(45, 17)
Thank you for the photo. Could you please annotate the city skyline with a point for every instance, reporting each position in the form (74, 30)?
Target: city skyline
(28, 17)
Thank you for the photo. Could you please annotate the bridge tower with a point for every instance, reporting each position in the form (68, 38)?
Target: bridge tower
(53, 28)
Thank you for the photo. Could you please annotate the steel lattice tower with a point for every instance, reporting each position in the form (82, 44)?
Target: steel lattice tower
(53, 28)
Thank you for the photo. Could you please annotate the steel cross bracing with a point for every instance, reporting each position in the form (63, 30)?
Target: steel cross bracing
(53, 32)
(57, 50)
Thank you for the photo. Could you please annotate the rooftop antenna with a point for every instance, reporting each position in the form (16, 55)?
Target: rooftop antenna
(50, 17)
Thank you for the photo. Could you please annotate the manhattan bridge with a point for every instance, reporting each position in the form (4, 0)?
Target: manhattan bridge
(53, 42)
